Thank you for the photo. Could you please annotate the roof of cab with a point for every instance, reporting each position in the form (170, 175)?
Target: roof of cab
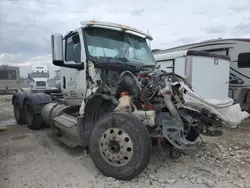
(108, 25)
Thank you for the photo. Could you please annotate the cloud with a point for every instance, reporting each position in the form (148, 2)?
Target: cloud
(242, 29)
(25, 61)
(26, 26)
(240, 7)
(216, 30)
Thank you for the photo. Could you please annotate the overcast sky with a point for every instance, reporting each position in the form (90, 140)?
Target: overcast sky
(26, 25)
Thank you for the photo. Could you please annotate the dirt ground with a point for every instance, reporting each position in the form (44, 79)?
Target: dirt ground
(35, 159)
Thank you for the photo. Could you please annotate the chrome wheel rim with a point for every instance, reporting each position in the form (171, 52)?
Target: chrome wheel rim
(116, 147)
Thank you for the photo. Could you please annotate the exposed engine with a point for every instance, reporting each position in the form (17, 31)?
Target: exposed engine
(158, 100)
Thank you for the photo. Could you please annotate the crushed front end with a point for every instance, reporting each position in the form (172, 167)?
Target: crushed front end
(171, 110)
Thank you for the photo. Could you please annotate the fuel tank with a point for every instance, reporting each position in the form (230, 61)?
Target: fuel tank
(52, 110)
(67, 128)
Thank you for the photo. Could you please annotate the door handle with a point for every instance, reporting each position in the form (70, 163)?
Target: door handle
(64, 82)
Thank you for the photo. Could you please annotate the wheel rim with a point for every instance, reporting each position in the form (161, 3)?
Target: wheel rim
(116, 147)
(16, 112)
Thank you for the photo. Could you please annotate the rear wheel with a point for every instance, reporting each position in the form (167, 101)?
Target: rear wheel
(120, 145)
(18, 113)
(34, 121)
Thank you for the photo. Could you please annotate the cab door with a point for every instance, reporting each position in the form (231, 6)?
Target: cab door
(73, 81)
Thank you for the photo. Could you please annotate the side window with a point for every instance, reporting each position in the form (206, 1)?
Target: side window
(73, 48)
(244, 60)
(8, 75)
(216, 51)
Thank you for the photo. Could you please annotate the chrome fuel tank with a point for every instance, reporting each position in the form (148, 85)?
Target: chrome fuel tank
(52, 110)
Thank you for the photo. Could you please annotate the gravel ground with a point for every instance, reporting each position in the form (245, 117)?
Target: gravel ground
(35, 159)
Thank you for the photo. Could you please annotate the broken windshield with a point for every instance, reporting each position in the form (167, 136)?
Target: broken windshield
(110, 45)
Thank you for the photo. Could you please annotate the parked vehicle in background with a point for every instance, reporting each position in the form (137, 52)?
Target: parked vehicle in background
(238, 49)
(39, 78)
(197, 66)
(9, 79)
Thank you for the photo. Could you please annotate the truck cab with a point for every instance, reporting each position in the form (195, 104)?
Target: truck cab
(115, 101)
(86, 53)
(39, 78)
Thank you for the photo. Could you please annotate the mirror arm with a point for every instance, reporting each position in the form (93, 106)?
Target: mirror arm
(74, 66)
(79, 67)
(31, 79)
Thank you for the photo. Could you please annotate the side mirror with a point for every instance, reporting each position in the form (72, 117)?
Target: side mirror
(29, 77)
(57, 49)
(57, 53)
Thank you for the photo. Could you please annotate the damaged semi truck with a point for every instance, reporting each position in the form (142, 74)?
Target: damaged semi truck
(115, 101)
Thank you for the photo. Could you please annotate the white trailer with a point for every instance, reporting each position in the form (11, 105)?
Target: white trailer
(238, 49)
(9, 79)
(39, 77)
(207, 73)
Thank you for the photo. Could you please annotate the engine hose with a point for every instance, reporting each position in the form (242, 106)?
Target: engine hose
(174, 74)
(171, 74)
(128, 84)
(172, 109)
(132, 76)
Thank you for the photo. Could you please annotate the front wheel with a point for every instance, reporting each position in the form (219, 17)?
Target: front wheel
(120, 145)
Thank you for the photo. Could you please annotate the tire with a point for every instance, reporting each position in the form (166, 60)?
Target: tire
(135, 153)
(34, 121)
(18, 113)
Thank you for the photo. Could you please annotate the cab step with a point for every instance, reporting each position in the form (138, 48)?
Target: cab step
(69, 129)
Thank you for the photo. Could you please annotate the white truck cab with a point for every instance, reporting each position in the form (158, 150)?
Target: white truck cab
(39, 77)
(92, 47)
(115, 101)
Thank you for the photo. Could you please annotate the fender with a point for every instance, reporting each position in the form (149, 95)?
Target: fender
(37, 101)
(97, 105)
(19, 97)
